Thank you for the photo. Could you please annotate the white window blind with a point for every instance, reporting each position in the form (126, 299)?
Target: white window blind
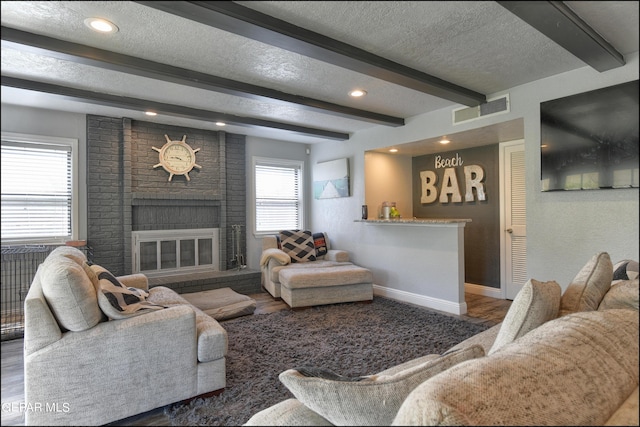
(37, 191)
(279, 199)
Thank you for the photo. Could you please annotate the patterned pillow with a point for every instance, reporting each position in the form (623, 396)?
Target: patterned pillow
(298, 244)
(369, 400)
(536, 303)
(586, 290)
(116, 300)
(625, 270)
(320, 241)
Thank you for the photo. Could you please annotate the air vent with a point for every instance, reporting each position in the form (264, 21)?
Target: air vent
(489, 108)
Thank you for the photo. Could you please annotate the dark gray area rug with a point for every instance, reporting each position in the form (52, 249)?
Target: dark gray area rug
(350, 339)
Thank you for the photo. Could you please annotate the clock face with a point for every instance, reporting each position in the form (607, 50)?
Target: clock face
(178, 158)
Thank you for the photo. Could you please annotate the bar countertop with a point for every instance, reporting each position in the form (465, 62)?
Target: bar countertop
(414, 221)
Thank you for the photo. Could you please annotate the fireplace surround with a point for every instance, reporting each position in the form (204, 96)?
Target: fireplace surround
(126, 195)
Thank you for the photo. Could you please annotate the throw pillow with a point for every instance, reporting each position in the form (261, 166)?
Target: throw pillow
(586, 290)
(117, 301)
(625, 270)
(320, 242)
(298, 244)
(536, 303)
(369, 400)
(69, 293)
(623, 294)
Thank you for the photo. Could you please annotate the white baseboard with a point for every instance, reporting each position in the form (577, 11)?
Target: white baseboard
(483, 290)
(421, 300)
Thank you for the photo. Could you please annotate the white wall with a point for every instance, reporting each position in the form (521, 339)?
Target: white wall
(564, 229)
(262, 147)
(35, 121)
(388, 180)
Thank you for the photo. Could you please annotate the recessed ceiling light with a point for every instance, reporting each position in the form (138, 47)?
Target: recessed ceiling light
(393, 150)
(444, 140)
(151, 113)
(358, 93)
(221, 124)
(101, 25)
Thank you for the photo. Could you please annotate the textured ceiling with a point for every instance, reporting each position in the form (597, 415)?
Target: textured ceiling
(480, 46)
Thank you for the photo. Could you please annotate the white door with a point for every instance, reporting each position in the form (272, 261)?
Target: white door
(513, 260)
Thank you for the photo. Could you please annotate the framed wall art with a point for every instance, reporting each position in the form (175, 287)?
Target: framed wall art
(331, 179)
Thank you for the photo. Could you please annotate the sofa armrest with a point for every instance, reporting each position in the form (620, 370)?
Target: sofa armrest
(116, 362)
(337, 255)
(269, 242)
(137, 280)
(278, 256)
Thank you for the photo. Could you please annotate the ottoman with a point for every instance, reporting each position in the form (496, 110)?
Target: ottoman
(222, 304)
(309, 286)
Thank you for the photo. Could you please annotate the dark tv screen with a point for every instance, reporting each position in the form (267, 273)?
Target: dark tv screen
(589, 141)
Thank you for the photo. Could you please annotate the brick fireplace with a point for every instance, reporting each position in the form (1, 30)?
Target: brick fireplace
(126, 194)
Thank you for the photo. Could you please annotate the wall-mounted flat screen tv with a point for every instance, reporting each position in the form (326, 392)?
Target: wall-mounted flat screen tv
(589, 141)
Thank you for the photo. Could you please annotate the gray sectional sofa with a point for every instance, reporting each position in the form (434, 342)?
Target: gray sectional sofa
(93, 357)
(556, 359)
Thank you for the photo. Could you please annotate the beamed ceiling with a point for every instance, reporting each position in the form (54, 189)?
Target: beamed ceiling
(283, 70)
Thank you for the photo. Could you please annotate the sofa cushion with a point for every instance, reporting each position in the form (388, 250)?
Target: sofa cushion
(536, 303)
(70, 252)
(626, 269)
(222, 303)
(321, 243)
(574, 370)
(116, 300)
(588, 287)
(289, 412)
(623, 294)
(319, 277)
(298, 244)
(69, 293)
(369, 400)
(628, 414)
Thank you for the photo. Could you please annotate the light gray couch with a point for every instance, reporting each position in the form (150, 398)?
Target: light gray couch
(80, 368)
(328, 279)
(569, 359)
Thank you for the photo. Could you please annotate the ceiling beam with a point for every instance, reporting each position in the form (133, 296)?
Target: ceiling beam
(557, 21)
(87, 55)
(163, 108)
(246, 22)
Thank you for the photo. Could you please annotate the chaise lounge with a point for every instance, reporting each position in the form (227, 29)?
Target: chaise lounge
(302, 269)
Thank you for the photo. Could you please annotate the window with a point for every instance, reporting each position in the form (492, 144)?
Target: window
(278, 194)
(38, 187)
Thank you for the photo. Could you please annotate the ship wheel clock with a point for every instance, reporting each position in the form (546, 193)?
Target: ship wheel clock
(177, 157)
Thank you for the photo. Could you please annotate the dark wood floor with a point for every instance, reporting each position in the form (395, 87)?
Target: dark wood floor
(480, 309)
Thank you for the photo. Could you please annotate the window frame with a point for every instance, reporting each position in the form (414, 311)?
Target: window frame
(298, 164)
(73, 143)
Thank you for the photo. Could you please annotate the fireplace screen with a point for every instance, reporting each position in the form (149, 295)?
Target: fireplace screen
(165, 252)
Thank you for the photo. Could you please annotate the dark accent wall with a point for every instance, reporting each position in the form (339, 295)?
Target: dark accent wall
(125, 192)
(482, 234)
